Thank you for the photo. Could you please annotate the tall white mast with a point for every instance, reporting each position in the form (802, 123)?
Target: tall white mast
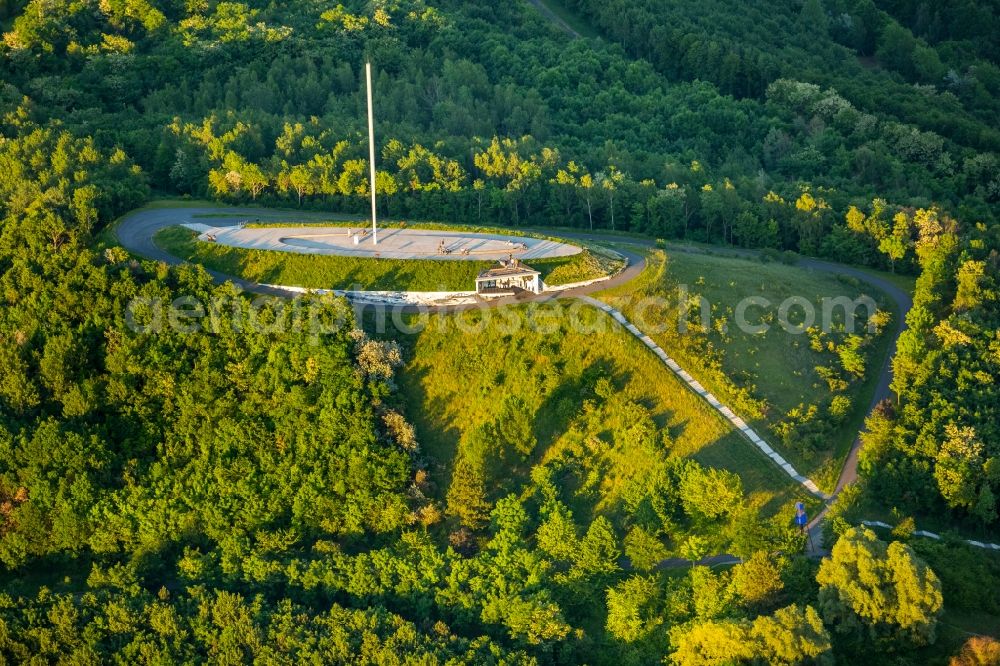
(371, 148)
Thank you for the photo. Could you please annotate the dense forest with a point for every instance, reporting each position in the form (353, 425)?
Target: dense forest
(257, 494)
(705, 137)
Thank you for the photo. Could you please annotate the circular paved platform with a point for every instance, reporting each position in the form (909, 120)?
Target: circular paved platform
(392, 243)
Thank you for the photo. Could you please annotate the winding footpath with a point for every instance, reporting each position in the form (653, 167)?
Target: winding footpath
(136, 233)
(725, 412)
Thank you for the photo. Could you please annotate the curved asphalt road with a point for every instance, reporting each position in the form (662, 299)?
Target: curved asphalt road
(136, 230)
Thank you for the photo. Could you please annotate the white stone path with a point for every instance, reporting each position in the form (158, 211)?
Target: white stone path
(741, 425)
(722, 409)
(932, 535)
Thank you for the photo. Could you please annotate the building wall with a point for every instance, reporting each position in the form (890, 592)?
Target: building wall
(530, 283)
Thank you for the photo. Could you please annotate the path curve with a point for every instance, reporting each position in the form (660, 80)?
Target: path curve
(136, 230)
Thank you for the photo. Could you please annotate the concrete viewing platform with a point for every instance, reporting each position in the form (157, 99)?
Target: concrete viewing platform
(392, 243)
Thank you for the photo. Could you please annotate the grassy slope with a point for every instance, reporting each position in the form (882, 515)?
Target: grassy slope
(457, 379)
(336, 272)
(780, 365)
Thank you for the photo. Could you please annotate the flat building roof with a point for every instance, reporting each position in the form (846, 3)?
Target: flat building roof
(505, 271)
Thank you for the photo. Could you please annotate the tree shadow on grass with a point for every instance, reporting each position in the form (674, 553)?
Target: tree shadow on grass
(600, 454)
(764, 482)
(246, 264)
(438, 442)
(563, 405)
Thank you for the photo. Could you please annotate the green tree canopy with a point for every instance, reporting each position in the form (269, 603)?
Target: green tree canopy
(886, 588)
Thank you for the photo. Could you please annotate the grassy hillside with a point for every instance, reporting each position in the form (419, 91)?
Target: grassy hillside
(793, 387)
(579, 395)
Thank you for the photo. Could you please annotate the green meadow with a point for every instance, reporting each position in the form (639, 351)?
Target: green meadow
(806, 393)
(575, 392)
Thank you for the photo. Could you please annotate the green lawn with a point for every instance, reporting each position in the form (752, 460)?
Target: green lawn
(762, 376)
(183, 203)
(338, 272)
(473, 369)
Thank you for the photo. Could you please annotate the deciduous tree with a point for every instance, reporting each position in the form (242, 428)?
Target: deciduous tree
(886, 588)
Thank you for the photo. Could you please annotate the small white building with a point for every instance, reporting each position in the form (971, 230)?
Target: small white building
(510, 277)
